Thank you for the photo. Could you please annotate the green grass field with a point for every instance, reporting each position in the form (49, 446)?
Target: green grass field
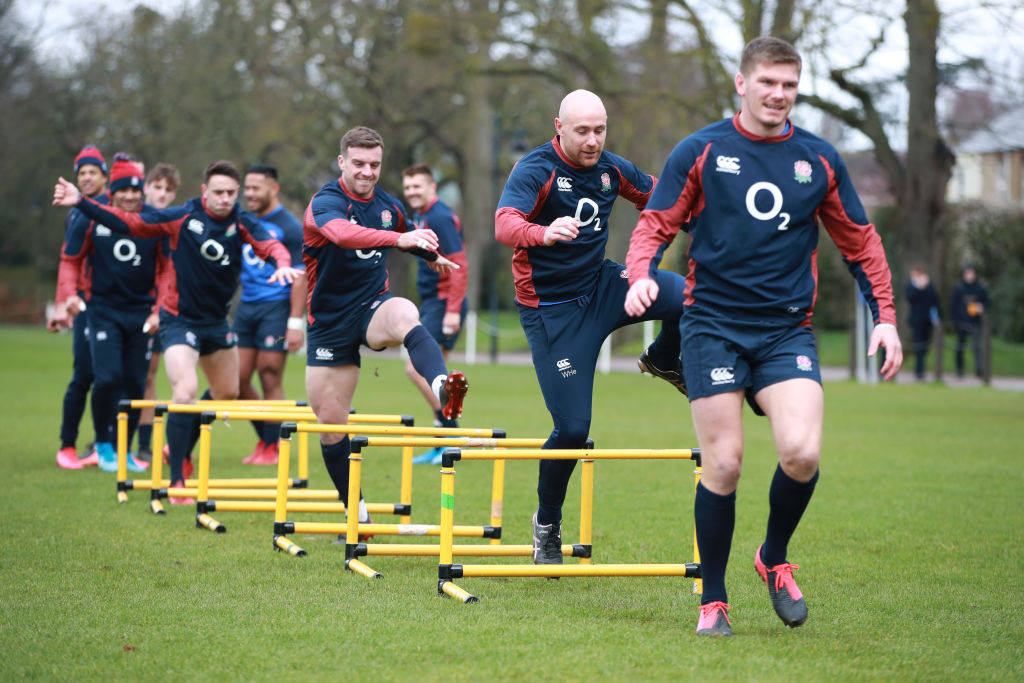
(911, 554)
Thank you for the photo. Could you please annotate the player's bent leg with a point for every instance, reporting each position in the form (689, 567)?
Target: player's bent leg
(795, 408)
(180, 362)
(221, 370)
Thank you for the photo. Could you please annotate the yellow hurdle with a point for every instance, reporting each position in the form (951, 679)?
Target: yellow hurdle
(407, 437)
(448, 571)
(275, 410)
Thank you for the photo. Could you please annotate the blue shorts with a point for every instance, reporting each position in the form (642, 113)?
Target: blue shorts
(723, 354)
(262, 325)
(432, 317)
(205, 338)
(339, 344)
(565, 339)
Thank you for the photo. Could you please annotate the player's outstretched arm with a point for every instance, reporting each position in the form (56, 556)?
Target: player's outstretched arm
(887, 337)
(640, 296)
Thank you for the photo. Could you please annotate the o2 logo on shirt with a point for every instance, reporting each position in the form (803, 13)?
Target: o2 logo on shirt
(212, 250)
(250, 257)
(587, 205)
(776, 209)
(126, 252)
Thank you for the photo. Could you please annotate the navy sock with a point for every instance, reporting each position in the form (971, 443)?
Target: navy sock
(441, 421)
(787, 500)
(667, 346)
(145, 437)
(715, 519)
(178, 428)
(424, 353)
(258, 425)
(336, 461)
(193, 436)
(271, 432)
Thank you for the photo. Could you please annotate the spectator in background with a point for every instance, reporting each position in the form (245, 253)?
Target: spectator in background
(924, 315)
(967, 306)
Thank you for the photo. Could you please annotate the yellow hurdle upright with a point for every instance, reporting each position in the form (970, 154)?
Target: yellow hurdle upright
(448, 571)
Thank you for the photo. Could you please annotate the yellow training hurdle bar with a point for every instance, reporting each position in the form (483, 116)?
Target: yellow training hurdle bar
(202, 490)
(235, 488)
(355, 549)
(413, 436)
(447, 571)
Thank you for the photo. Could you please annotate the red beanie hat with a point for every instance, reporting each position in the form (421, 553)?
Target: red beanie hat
(90, 154)
(124, 174)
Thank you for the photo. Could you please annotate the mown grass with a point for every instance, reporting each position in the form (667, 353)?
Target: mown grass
(911, 553)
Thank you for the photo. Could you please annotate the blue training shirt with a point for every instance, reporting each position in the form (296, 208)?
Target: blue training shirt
(286, 229)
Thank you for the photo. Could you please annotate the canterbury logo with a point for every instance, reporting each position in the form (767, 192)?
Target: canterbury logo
(324, 354)
(196, 226)
(722, 376)
(563, 364)
(564, 184)
(102, 231)
(728, 165)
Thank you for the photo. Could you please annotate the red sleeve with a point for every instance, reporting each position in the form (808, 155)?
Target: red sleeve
(862, 248)
(660, 226)
(453, 287)
(345, 233)
(512, 229)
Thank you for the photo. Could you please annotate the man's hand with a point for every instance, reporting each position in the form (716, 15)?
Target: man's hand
(293, 340)
(640, 297)
(442, 265)
(562, 229)
(64, 313)
(152, 324)
(285, 276)
(451, 323)
(888, 338)
(424, 239)
(65, 193)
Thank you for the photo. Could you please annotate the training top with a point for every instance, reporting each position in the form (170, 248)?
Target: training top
(451, 285)
(286, 229)
(111, 269)
(751, 206)
(545, 185)
(345, 240)
(205, 251)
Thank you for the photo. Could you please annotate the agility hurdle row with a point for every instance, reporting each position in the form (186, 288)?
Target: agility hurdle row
(448, 571)
(407, 438)
(352, 528)
(236, 488)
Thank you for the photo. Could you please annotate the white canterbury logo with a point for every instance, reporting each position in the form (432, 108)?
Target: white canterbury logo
(324, 354)
(722, 376)
(196, 226)
(563, 364)
(728, 165)
(102, 231)
(564, 184)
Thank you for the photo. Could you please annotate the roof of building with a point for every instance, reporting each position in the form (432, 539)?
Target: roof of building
(1004, 133)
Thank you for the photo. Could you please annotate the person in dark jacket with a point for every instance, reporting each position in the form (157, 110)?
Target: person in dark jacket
(967, 306)
(924, 315)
